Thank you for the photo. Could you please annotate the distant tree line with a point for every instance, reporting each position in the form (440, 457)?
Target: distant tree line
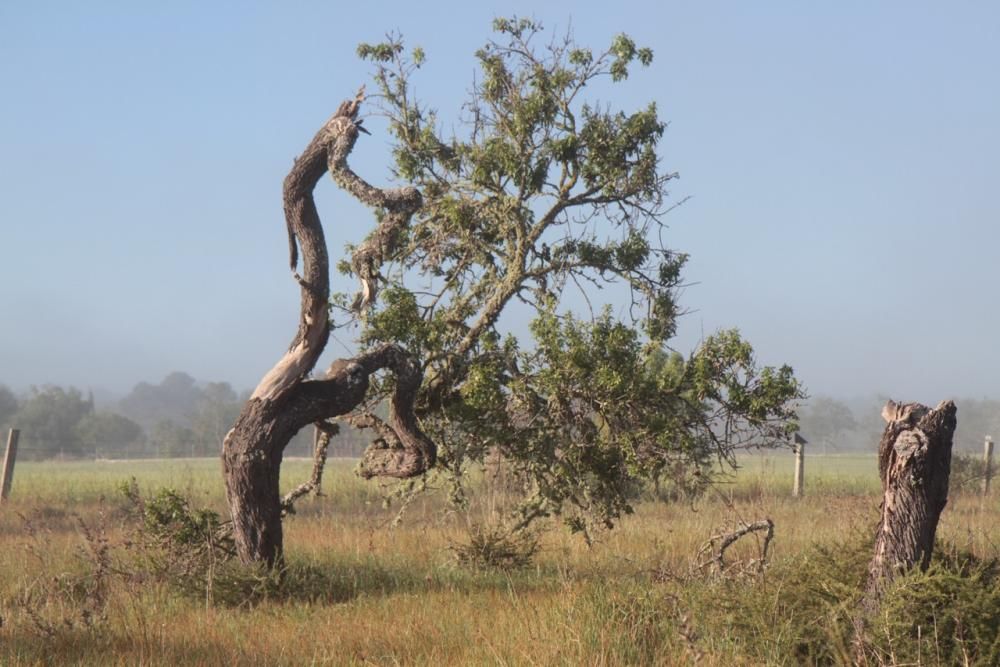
(179, 417)
(832, 425)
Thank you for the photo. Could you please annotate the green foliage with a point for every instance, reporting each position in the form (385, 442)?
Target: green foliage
(826, 420)
(948, 614)
(8, 405)
(805, 611)
(192, 550)
(108, 432)
(215, 412)
(168, 517)
(48, 420)
(168, 438)
(967, 473)
(538, 191)
(175, 398)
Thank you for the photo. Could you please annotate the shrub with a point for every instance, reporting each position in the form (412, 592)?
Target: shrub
(948, 615)
(496, 548)
(803, 611)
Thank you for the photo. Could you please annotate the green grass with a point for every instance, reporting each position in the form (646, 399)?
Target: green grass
(360, 591)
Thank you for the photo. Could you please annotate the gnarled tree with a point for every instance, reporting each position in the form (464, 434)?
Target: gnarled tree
(286, 400)
(537, 193)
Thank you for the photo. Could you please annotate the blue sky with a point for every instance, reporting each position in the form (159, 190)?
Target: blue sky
(841, 160)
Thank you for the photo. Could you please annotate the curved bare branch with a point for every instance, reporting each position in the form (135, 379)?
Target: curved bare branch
(398, 204)
(284, 401)
(305, 230)
(413, 453)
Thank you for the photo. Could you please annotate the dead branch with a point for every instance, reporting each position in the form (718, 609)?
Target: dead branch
(321, 442)
(398, 206)
(712, 553)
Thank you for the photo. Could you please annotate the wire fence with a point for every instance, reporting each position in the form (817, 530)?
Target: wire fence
(36, 449)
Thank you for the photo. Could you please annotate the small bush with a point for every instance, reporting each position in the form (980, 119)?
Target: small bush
(190, 549)
(803, 611)
(168, 517)
(948, 615)
(75, 598)
(496, 548)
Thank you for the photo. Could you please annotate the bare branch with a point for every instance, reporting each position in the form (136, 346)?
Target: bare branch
(321, 442)
(717, 545)
(305, 232)
(398, 204)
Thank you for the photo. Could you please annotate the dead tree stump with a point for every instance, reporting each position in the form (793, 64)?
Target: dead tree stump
(914, 463)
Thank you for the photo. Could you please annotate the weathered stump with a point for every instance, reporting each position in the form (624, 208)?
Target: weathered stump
(914, 463)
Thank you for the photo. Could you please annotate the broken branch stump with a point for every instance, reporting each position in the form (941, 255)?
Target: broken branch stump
(914, 464)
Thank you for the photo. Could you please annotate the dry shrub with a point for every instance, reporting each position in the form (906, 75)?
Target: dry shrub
(803, 611)
(496, 548)
(63, 597)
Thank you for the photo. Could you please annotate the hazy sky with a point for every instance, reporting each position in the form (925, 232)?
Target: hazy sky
(842, 161)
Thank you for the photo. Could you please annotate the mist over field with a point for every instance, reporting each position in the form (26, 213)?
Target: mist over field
(840, 206)
(441, 334)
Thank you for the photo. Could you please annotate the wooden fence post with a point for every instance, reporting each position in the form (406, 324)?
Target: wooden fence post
(987, 464)
(8, 463)
(798, 445)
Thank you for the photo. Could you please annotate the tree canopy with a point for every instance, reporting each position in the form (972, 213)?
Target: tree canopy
(539, 191)
(48, 418)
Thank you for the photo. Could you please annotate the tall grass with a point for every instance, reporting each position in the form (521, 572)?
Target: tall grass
(360, 590)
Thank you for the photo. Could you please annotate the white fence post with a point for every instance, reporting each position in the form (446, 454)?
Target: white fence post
(798, 446)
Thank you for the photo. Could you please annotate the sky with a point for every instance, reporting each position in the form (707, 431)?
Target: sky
(840, 162)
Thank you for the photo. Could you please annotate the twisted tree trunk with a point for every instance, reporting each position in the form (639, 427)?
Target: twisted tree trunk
(286, 400)
(914, 463)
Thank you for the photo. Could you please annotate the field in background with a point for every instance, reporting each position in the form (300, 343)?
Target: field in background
(367, 592)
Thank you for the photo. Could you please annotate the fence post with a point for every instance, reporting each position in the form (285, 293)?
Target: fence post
(8, 463)
(987, 464)
(798, 445)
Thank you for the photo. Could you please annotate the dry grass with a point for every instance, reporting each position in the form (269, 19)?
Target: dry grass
(360, 592)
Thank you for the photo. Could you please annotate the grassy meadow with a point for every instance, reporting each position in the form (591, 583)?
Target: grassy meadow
(363, 589)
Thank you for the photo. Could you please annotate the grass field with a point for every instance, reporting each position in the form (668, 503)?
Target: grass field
(361, 590)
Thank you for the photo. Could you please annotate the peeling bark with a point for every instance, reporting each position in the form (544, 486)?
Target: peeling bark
(914, 463)
(285, 400)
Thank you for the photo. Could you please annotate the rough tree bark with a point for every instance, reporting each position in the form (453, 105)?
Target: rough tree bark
(286, 400)
(914, 463)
